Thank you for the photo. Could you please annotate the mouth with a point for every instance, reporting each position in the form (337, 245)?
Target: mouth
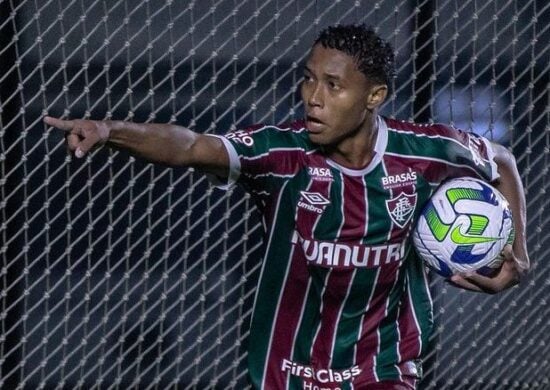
(311, 118)
(313, 123)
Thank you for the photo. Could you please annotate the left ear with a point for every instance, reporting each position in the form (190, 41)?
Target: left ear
(376, 96)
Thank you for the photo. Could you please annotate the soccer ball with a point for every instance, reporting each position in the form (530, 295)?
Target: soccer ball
(463, 228)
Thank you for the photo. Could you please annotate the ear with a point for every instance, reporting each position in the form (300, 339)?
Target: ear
(376, 96)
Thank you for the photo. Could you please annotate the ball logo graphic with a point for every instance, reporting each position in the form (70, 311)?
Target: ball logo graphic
(463, 228)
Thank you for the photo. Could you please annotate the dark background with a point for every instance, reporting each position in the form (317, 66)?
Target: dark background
(116, 273)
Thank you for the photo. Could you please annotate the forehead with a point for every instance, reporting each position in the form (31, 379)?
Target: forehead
(333, 62)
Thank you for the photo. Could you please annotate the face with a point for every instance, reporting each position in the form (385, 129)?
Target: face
(335, 95)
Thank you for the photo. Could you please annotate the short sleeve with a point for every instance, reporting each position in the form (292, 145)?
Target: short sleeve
(441, 151)
(261, 157)
(474, 151)
(483, 152)
(234, 166)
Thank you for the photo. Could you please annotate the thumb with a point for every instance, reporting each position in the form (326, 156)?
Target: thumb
(90, 134)
(86, 144)
(79, 153)
(507, 252)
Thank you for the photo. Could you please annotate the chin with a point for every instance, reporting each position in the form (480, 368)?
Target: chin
(324, 139)
(317, 138)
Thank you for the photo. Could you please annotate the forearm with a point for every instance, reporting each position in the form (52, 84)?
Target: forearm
(510, 185)
(516, 259)
(158, 143)
(155, 142)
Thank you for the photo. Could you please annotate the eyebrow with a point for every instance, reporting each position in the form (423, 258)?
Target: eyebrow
(327, 75)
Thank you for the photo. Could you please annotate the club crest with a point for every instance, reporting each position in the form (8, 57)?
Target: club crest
(401, 208)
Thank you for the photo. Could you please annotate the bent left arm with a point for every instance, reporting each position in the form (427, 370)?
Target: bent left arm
(516, 258)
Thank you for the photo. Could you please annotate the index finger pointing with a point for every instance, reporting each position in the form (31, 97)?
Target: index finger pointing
(59, 123)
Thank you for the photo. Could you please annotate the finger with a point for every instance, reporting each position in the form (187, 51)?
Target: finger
(483, 283)
(507, 252)
(59, 123)
(72, 142)
(85, 145)
(459, 281)
(506, 277)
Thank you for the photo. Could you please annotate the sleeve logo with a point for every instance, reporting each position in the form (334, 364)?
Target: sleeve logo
(241, 137)
(474, 144)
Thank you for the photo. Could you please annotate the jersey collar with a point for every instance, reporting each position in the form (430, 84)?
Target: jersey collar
(379, 149)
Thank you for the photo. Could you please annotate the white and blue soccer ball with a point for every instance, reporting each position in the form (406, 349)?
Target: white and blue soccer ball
(463, 228)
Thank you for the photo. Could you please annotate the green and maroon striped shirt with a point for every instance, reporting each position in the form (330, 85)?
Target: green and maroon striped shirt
(342, 299)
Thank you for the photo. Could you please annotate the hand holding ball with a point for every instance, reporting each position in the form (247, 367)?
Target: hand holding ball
(463, 228)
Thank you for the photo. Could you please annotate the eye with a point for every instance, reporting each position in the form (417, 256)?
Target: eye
(334, 85)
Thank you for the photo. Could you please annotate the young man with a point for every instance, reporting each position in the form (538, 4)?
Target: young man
(342, 300)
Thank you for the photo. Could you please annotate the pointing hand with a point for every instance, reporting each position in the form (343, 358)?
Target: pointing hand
(82, 135)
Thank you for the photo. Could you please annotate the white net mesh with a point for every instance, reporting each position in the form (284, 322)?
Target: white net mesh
(119, 274)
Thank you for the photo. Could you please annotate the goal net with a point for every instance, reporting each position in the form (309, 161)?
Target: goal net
(120, 274)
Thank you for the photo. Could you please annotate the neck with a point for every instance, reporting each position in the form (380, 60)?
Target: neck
(357, 150)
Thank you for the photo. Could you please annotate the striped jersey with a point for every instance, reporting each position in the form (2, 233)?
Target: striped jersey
(342, 299)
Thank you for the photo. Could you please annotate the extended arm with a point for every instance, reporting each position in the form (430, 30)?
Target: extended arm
(516, 257)
(157, 143)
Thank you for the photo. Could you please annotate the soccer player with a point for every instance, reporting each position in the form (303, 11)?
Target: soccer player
(342, 301)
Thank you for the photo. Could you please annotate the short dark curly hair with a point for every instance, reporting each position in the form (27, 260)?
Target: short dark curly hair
(373, 55)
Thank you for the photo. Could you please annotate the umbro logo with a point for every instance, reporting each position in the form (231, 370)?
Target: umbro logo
(312, 200)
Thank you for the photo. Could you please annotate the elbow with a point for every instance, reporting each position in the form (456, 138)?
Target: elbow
(181, 147)
(508, 174)
(503, 157)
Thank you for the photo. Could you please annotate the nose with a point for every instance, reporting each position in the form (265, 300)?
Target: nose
(314, 95)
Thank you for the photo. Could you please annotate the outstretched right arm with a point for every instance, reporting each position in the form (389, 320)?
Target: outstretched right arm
(165, 144)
